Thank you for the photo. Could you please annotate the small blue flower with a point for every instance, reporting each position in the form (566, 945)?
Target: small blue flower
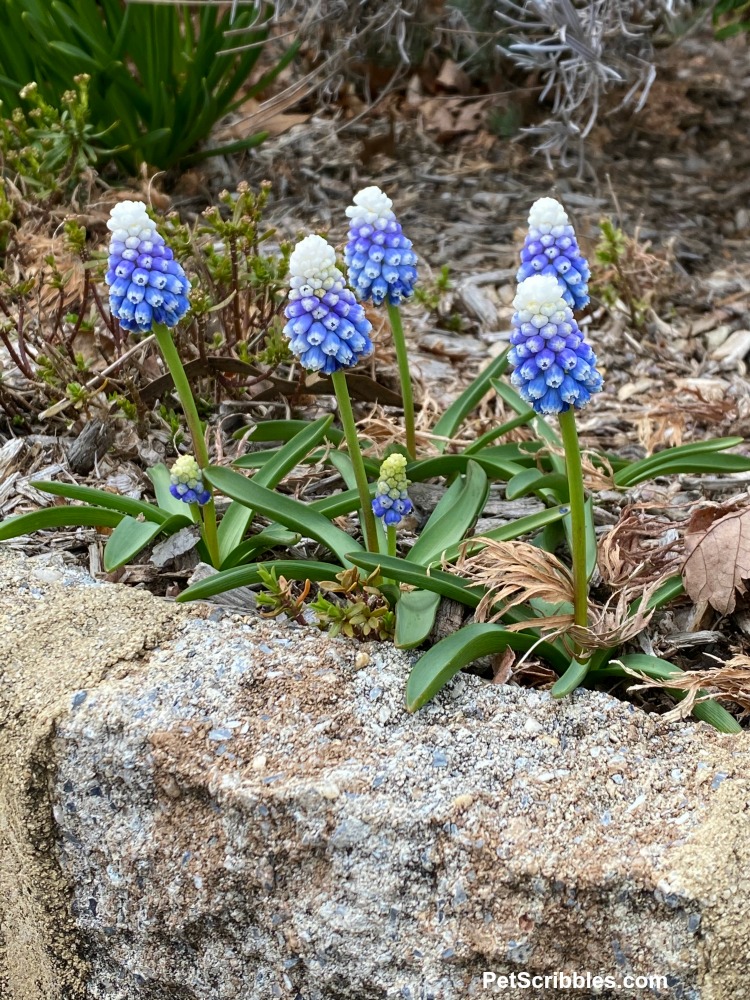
(379, 257)
(554, 367)
(392, 502)
(146, 284)
(551, 247)
(186, 481)
(327, 327)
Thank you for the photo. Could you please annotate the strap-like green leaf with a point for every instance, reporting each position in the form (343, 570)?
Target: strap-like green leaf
(415, 616)
(291, 513)
(101, 498)
(454, 515)
(532, 481)
(271, 538)
(573, 677)
(236, 520)
(438, 665)
(285, 430)
(435, 580)
(469, 399)
(130, 537)
(700, 456)
(58, 517)
(506, 532)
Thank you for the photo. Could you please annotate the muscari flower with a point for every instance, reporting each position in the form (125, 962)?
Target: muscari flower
(551, 247)
(186, 481)
(392, 502)
(327, 327)
(554, 367)
(146, 283)
(378, 255)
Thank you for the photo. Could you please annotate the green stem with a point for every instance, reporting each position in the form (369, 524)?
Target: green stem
(355, 454)
(577, 518)
(391, 536)
(402, 357)
(182, 386)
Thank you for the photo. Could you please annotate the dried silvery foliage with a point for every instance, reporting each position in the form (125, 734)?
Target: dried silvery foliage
(583, 51)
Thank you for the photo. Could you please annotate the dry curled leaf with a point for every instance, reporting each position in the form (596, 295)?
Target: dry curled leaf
(718, 560)
(515, 573)
(728, 681)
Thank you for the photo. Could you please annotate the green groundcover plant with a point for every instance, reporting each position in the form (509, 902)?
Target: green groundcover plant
(160, 76)
(525, 598)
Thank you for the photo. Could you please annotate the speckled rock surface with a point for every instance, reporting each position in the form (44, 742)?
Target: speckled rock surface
(208, 810)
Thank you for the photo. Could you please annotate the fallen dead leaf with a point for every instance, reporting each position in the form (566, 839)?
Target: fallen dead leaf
(718, 560)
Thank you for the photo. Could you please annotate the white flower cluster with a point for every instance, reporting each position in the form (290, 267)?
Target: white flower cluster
(129, 220)
(540, 295)
(371, 205)
(546, 214)
(312, 267)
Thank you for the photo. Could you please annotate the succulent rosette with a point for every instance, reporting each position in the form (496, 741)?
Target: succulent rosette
(186, 481)
(146, 284)
(379, 258)
(327, 327)
(554, 367)
(551, 248)
(391, 501)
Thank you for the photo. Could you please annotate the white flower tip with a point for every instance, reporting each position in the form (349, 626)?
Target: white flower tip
(537, 291)
(127, 214)
(313, 259)
(546, 213)
(370, 204)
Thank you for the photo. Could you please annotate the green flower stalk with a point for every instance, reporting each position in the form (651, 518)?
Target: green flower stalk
(554, 370)
(381, 268)
(148, 293)
(328, 332)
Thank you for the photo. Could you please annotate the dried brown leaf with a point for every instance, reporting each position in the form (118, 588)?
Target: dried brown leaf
(728, 682)
(639, 549)
(718, 561)
(515, 573)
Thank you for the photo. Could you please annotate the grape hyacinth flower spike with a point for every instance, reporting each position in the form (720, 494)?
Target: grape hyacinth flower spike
(554, 370)
(382, 268)
(148, 293)
(146, 284)
(391, 502)
(186, 482)
(327, 328)
(551, 248)
(328, 331)
(554, 367)
(379, 257)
